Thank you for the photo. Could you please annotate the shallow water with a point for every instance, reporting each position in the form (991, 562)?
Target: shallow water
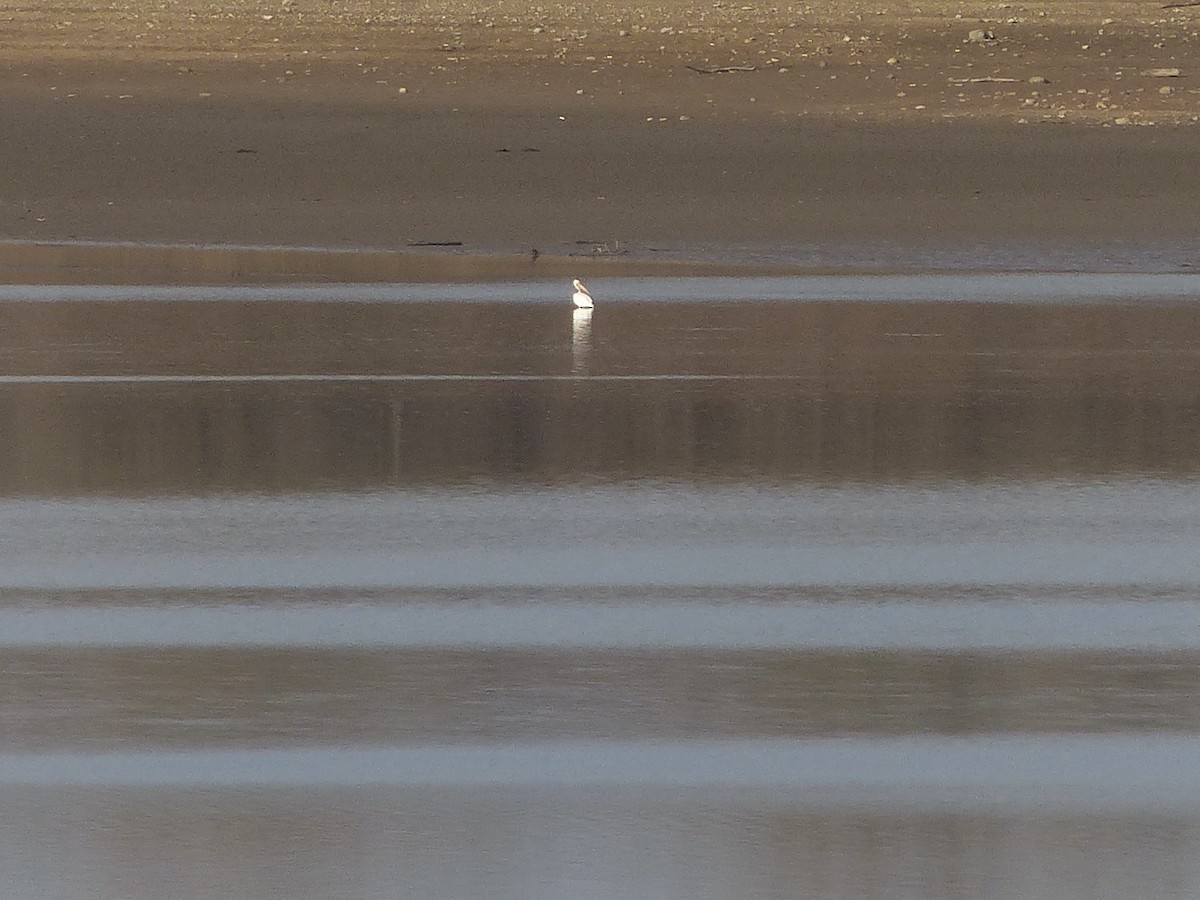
(707, 599)
(1000, 287)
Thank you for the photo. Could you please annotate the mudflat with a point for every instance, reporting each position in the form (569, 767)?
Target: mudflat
(895, 134)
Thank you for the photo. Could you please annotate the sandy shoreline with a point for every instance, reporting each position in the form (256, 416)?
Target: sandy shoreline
(845, 135)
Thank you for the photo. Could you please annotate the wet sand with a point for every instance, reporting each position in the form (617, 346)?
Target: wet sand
(845, 134)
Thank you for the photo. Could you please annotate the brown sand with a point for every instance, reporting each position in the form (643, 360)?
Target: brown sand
(849, 132)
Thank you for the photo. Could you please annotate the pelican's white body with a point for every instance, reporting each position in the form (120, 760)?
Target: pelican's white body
(582, 297)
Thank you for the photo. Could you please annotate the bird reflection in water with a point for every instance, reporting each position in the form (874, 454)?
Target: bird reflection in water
(581, 341)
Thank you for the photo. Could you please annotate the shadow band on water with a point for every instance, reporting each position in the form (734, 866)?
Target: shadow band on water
(193, 397)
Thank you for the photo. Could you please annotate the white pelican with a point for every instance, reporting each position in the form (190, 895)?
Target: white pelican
(582, 296)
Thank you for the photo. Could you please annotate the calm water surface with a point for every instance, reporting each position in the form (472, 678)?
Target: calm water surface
(839, 589)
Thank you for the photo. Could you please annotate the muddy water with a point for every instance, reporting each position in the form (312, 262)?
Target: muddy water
(365, 597)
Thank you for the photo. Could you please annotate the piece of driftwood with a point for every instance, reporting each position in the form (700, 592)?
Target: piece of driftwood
(721, 70)
(601, 248)
(1180, 5)
(987, 79)
(435, 243)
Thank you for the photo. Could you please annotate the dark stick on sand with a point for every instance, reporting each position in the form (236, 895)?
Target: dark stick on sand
(720, 70)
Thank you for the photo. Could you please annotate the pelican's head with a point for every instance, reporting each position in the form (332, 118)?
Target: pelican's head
(581, 287)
